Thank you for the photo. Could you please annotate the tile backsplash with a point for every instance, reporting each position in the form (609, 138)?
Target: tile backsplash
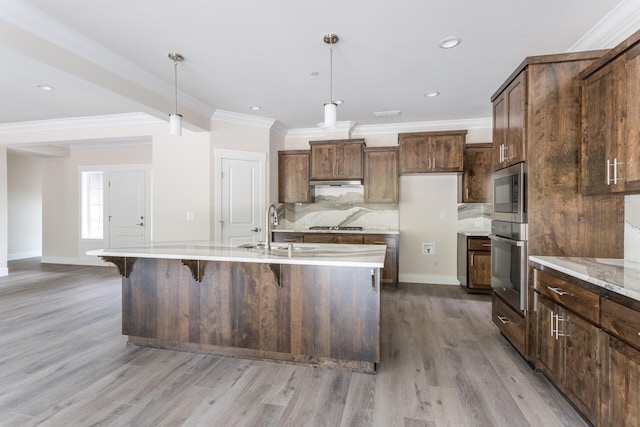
(632, 228)
(340, 206)
(474, 217)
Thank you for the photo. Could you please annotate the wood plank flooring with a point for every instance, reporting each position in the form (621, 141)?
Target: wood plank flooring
(64, 362)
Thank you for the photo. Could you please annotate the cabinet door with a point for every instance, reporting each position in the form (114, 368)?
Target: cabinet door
(447, 153)
(549, 349)
(414, 153)
(582, 364)
(517, 112)
(349, 161)
(381, 175)
(629, 142)
(323, 161)
(480, 269)
(509, 123)
(500, 124)
(389, 273)
(599, 127)
(293, 177)
(476, 179)
(620, 402)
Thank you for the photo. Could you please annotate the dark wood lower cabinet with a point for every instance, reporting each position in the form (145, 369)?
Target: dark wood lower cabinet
(620, 405)
(587, 343)
(297, 313)
(568, 353)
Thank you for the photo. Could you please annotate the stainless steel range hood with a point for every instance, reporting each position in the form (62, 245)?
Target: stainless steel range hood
(336, 183)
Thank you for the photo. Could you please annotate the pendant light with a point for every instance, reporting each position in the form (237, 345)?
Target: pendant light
(330, 107)
(175, 119)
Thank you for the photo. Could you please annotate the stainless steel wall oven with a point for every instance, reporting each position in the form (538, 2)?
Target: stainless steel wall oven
(509, 236)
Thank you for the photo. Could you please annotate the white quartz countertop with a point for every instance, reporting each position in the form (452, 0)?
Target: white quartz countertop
(301, 253)
(616, 275)
(363, 231)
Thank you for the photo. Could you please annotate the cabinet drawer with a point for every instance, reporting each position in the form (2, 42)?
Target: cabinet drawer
(352, 239)
(479, 244)
(577, 299)
(621, 321)
(509, 322)
(288, 237)
(391, 242)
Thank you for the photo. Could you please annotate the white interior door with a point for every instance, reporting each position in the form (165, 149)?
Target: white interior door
(127, 218)
(241, 189)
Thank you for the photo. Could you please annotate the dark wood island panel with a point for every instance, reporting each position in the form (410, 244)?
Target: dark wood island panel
(314, 314)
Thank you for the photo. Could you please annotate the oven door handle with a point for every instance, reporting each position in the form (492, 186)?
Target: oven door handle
(508, 241)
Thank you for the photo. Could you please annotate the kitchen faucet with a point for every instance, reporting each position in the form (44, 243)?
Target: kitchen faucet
(267, 237)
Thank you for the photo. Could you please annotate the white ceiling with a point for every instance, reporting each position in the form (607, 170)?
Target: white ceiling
(110, 57)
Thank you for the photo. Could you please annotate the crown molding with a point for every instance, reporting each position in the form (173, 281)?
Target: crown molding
(243, 119)
(356, 130)
(80, 123)
(616, 26)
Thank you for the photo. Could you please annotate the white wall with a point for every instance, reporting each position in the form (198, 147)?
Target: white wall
(24, 202)
(3, 212)
(60, 196)
(181, 183)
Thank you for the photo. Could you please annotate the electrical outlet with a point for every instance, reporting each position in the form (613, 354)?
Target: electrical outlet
(191, 216)
(428, 249)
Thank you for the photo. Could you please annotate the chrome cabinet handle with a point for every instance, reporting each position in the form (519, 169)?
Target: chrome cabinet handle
(503, 319)
(557, 291)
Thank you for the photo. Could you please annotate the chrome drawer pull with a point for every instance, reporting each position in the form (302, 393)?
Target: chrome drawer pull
(503, 319)
(557, 291)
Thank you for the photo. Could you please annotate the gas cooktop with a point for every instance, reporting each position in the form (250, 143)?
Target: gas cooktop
(335, 227)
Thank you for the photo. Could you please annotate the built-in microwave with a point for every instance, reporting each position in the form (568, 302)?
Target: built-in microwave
(509, 194)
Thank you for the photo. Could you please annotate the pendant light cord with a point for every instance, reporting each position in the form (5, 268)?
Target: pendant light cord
(331, 72)
(175, 81)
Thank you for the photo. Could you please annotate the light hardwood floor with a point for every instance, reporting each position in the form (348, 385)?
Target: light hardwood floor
(63, 362)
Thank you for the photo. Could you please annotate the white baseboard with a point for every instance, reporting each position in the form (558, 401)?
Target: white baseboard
(23, 255)
(4, 271)
(431, 279)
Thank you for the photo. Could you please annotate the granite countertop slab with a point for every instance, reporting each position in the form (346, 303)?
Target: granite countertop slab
(344, 255)
(616, 275)
(363, 231)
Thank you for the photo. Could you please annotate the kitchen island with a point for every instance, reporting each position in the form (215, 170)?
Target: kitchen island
(301, 303)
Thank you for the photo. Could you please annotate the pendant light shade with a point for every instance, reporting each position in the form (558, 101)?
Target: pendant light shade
(175, 119)
(175, 124)
(330, 108)
(330, 114)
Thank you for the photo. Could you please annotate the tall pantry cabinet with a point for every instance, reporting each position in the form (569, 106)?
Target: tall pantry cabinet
(537, 119)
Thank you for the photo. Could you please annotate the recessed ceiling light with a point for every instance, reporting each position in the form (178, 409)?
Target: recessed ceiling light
(254, 107)
(431, 94)
(449, 42)
(392, 113)
(45, 87)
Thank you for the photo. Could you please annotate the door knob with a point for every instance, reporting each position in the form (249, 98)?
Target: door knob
(140, 224)
(256, 229)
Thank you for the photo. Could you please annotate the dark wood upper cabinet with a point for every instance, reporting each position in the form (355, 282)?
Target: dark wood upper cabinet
(432, 152)
(293, 176)
(337, 159)
(611, 121)
(475, 182)
(509, 118)
(381, 175)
